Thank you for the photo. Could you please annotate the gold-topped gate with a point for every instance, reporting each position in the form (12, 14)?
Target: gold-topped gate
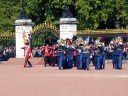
(103, 32)
(7, 39)
(108, 34)
(44, 33)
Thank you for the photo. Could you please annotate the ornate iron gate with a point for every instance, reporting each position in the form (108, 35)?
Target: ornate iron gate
(7, 39)
(44, 33)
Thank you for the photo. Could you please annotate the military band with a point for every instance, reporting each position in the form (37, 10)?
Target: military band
(85, 52)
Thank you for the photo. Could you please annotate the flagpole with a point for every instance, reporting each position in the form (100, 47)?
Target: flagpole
(22, 27)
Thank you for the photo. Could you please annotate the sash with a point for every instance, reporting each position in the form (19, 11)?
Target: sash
(26, 51)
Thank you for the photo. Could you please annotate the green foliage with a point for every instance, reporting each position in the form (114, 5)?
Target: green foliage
(92, 14)
(9, 11)
(95, 14)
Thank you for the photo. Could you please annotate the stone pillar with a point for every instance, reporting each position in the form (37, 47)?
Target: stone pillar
(22, 25)
(68, 27)
(68, 24)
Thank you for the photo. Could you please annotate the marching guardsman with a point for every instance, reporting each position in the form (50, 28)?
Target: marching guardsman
(27, 51)
(53, 55)
(47, 54)
(74, 58)
(118, 54)
(86, 57)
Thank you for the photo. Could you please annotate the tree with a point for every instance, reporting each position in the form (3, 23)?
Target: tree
(46, 10)
(95, 14)
(9, 11)
(92, 14)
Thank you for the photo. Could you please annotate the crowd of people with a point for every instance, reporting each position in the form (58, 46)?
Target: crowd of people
(7, 52)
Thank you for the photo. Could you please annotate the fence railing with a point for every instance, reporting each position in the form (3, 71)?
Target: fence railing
(101, 31)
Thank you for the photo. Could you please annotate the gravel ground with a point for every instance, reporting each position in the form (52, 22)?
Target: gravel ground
(49, 81)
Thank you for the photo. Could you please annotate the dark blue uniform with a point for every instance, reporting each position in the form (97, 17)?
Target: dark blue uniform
(104, 58)
(118, 54)
(59, 54)
(86, 58)
(69, 52)
(65, 63)
(112, 49)
(98, 56)
(79, 57)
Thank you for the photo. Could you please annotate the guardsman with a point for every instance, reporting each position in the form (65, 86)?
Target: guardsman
(53, 55)
(59, 54)
(27, 51)
(74, 58)
(47, 54)
(86, 57)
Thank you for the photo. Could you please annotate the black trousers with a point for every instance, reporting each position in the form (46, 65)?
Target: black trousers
(74, 60)
(54, 59)
(46, 60)
(27, 61)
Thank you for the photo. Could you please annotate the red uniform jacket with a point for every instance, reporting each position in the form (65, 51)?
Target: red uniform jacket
(46, 51)
(27, 51)
(92, 50)
(74, 52)
(54, 51)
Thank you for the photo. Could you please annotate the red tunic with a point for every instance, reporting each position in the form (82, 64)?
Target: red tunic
(27, 51)
(46, 51)
(54, 51)
(74, 52)
(92, 50)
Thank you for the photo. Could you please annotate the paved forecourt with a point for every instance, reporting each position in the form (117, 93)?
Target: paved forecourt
(49, 81)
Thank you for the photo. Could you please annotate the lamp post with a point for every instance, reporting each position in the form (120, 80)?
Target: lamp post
(117, 24)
